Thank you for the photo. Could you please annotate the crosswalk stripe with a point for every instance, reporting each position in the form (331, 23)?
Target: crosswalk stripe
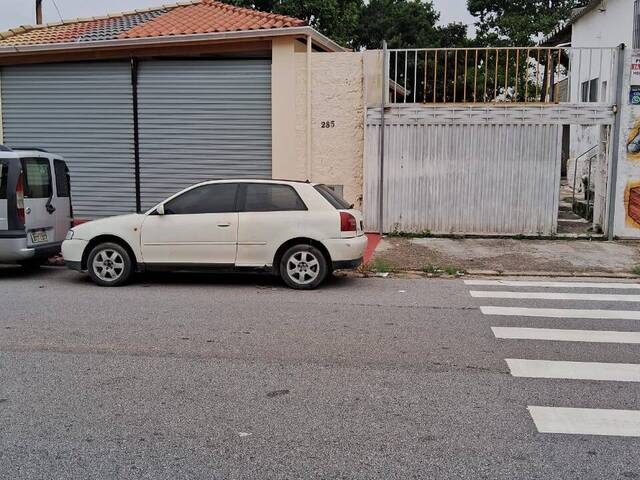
(611, 372)
(595, 297)
(523, 283)
(551, 334)
(561, 313)
(586, 421)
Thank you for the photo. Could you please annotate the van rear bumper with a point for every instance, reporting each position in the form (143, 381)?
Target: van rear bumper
(13, 250)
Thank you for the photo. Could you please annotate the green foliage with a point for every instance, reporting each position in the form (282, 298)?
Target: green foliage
(380, 265)
(518, 22)
(404, 24)
(364, 24)
(636, 270)
(400, 234)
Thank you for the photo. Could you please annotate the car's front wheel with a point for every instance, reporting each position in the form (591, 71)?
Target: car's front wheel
(109, 265)
(303, 267)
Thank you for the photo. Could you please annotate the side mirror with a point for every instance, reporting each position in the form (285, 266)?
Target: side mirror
(160, 209)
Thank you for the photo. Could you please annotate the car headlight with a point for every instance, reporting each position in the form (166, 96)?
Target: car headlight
(70, 234)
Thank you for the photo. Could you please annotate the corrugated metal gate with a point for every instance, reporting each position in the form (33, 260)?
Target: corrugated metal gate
(82, 111)
(197, 120)
(201, 120)
(469, 170)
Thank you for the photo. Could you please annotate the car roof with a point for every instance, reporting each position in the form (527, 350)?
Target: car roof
(261, 180)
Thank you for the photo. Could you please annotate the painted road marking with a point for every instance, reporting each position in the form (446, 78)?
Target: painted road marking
(586, 421)
(518, 283)
(561, 313)
(551, 334)
(595, 297)
(610, 372)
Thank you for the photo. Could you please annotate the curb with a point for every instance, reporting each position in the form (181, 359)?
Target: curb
(490, 273)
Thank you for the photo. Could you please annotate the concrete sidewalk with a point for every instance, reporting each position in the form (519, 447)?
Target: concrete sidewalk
(507, 256)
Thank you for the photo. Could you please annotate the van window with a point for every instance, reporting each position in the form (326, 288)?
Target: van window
(4, 173)
(63, 187)
(37, 176)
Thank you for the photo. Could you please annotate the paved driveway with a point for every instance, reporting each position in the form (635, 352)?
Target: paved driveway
(197, 376)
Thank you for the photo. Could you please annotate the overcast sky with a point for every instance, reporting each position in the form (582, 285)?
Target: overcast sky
(21, 12)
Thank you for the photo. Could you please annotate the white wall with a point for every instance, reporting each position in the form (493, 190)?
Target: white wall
(607, 26)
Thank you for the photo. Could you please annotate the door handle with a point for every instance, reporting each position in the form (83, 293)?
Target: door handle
(224, 225)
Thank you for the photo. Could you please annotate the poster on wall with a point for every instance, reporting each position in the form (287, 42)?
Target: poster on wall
(633, 141)
(635, 69)
(632, 203)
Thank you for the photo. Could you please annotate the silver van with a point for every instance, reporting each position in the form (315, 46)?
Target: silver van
(35, 205)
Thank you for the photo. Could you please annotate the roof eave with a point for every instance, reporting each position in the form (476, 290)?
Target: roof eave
(319, 39)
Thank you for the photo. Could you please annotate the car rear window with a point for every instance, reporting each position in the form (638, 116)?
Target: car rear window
(37, 176)
(4, 173)
(333, 198)
(63, 188)
(269, 197)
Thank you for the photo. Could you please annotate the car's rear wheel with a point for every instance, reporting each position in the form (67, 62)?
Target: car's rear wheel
(109, 265)
(303, 267)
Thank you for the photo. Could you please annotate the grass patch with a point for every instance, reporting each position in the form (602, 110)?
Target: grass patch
(401, 234)
(448, 270)
(636, 270)
(380, 265)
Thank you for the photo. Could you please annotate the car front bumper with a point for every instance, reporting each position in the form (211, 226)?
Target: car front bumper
(72, 252)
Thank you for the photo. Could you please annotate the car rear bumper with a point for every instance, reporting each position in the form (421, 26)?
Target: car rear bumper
(347, 264)
(347, 253)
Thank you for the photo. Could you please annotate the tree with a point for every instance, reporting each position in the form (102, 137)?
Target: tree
(359, 24)
(518, 22)
(335, 18)
(404, 24)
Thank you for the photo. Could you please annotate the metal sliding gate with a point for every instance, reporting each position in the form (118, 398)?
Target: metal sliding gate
(472, 139)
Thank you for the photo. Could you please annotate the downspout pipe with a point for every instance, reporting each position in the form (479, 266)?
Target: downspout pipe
(615, 154)
(383, 103)
(308, 111)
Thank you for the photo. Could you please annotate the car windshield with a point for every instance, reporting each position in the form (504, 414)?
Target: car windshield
(333, 198)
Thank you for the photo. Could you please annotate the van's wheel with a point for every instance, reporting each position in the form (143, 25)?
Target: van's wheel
(303, 267)
(109, 265)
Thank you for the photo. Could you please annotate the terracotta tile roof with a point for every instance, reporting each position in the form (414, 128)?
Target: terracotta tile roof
(199, 16)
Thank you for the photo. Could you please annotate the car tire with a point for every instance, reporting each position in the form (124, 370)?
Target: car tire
(109, 265)
(303, 267)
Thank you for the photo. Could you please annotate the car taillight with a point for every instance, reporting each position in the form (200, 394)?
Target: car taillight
(347, 222)
(20, 199)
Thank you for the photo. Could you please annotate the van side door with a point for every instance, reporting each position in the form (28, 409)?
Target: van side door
(62, 200)
(38, 198)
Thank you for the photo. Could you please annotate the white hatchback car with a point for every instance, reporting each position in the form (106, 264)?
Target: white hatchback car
(300, 231)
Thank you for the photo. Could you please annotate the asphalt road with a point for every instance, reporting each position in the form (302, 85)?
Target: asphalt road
(208, 377)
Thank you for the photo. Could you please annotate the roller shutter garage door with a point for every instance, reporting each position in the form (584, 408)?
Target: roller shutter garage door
(84, 112)
(201, 120)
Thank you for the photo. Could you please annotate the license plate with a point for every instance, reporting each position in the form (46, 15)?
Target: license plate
(39, 236)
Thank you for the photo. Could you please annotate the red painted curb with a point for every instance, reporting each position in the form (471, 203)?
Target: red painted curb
(372, 244)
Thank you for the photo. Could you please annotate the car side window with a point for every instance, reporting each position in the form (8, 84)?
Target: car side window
(37, 176)
(63, 186)
(4, 173)
(214, 198)
(270, 197)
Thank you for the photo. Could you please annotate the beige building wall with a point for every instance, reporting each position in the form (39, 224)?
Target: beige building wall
(337, 121)
(283, 83)
(337, 116)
